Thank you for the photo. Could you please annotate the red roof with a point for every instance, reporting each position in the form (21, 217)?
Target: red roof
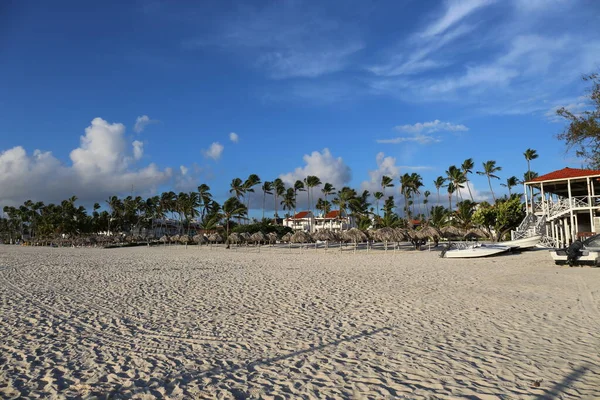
(332, 214)
(566, 173)
(300, 215)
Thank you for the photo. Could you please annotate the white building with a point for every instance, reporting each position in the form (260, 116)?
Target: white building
(333, 220)
(563, 206)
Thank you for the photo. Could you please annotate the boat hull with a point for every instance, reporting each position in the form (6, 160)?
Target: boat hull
(524, 243)
(477, 251)
(588, 257)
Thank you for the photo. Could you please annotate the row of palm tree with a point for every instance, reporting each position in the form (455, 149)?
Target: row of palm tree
(199, 208)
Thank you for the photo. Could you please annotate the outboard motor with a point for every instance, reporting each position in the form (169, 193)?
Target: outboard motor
(574, 252)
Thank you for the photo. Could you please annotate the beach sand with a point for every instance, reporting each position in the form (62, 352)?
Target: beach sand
(169, 322)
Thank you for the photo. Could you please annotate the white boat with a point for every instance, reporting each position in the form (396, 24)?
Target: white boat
(523, 243)
(579, 253)
(473, 250)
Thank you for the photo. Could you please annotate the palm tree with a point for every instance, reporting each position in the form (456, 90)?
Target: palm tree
(451, 190)
(386, 182)
(311, 182)
(530, 154)
(426, 194)
(456, 176)
(278, 191)
(298, 187)
(405, 189)
(233, 208)
(467, 168)
(267, 188)
(327, 190)
(416, 184)
(439, 183)
(527, 176)
(489, 169)
(510, 183)
(205, 199)
(289, 200)
(249, 184)
(378, 196)
(237, 188)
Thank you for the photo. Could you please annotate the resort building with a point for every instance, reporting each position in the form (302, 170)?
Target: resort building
(562, 206)
(335, 220)
(303, 221)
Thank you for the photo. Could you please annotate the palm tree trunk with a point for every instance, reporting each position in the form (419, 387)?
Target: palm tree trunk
(492, 190)
(470, 194)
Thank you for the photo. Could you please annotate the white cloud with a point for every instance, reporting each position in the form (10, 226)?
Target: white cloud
(432, 126)
(142, 122)
(101, 166)
(456, 10)
(541, 5)
(183, 169)
(322, 164)
(286, 39)
(416, 138)
(234, 137)
(420, 132)
(308, 63)
(138, 149)
(214, 151)
(576, 107)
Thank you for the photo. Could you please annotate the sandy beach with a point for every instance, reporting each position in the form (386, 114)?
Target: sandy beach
(170, 322)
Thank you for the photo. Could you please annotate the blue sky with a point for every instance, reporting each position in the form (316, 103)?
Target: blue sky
(97, 98)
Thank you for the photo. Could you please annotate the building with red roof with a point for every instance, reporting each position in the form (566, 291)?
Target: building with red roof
(562, 205)
(334, 220)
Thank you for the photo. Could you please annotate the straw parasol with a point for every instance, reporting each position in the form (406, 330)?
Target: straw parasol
(325, 235)
(286, 238)
(452, 232)
(385, 235)
(476, 233)
(301, 237)
(164, 239)
(215, 238)
(244, 237)
(272, 237)
(355, 235)
(234, 238)
(428, 232)
(258, 237)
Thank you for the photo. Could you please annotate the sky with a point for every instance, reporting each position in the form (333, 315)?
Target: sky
(139, 97)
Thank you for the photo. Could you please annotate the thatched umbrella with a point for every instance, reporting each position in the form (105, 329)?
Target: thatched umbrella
(234, 238)
(429, 232)
(476, 233)
(452, 232)
(385, 235)
(199, 239)
(258, 237)
(355, 235)
(184, 239)
(325, 235)
(286, 238)
(244, 237)
(272, 238)
(300, 237)
(215, 238)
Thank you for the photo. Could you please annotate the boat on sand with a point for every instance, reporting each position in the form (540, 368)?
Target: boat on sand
(473, 250)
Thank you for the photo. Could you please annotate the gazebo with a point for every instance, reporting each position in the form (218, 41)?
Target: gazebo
(562, 206)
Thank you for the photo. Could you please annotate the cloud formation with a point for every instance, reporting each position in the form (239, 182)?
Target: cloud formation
(285, 39)
(234, 137)
(456, 10)
(421, 132)
(214, 151)
(141, 123)
(102, 165)
(322, 164)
